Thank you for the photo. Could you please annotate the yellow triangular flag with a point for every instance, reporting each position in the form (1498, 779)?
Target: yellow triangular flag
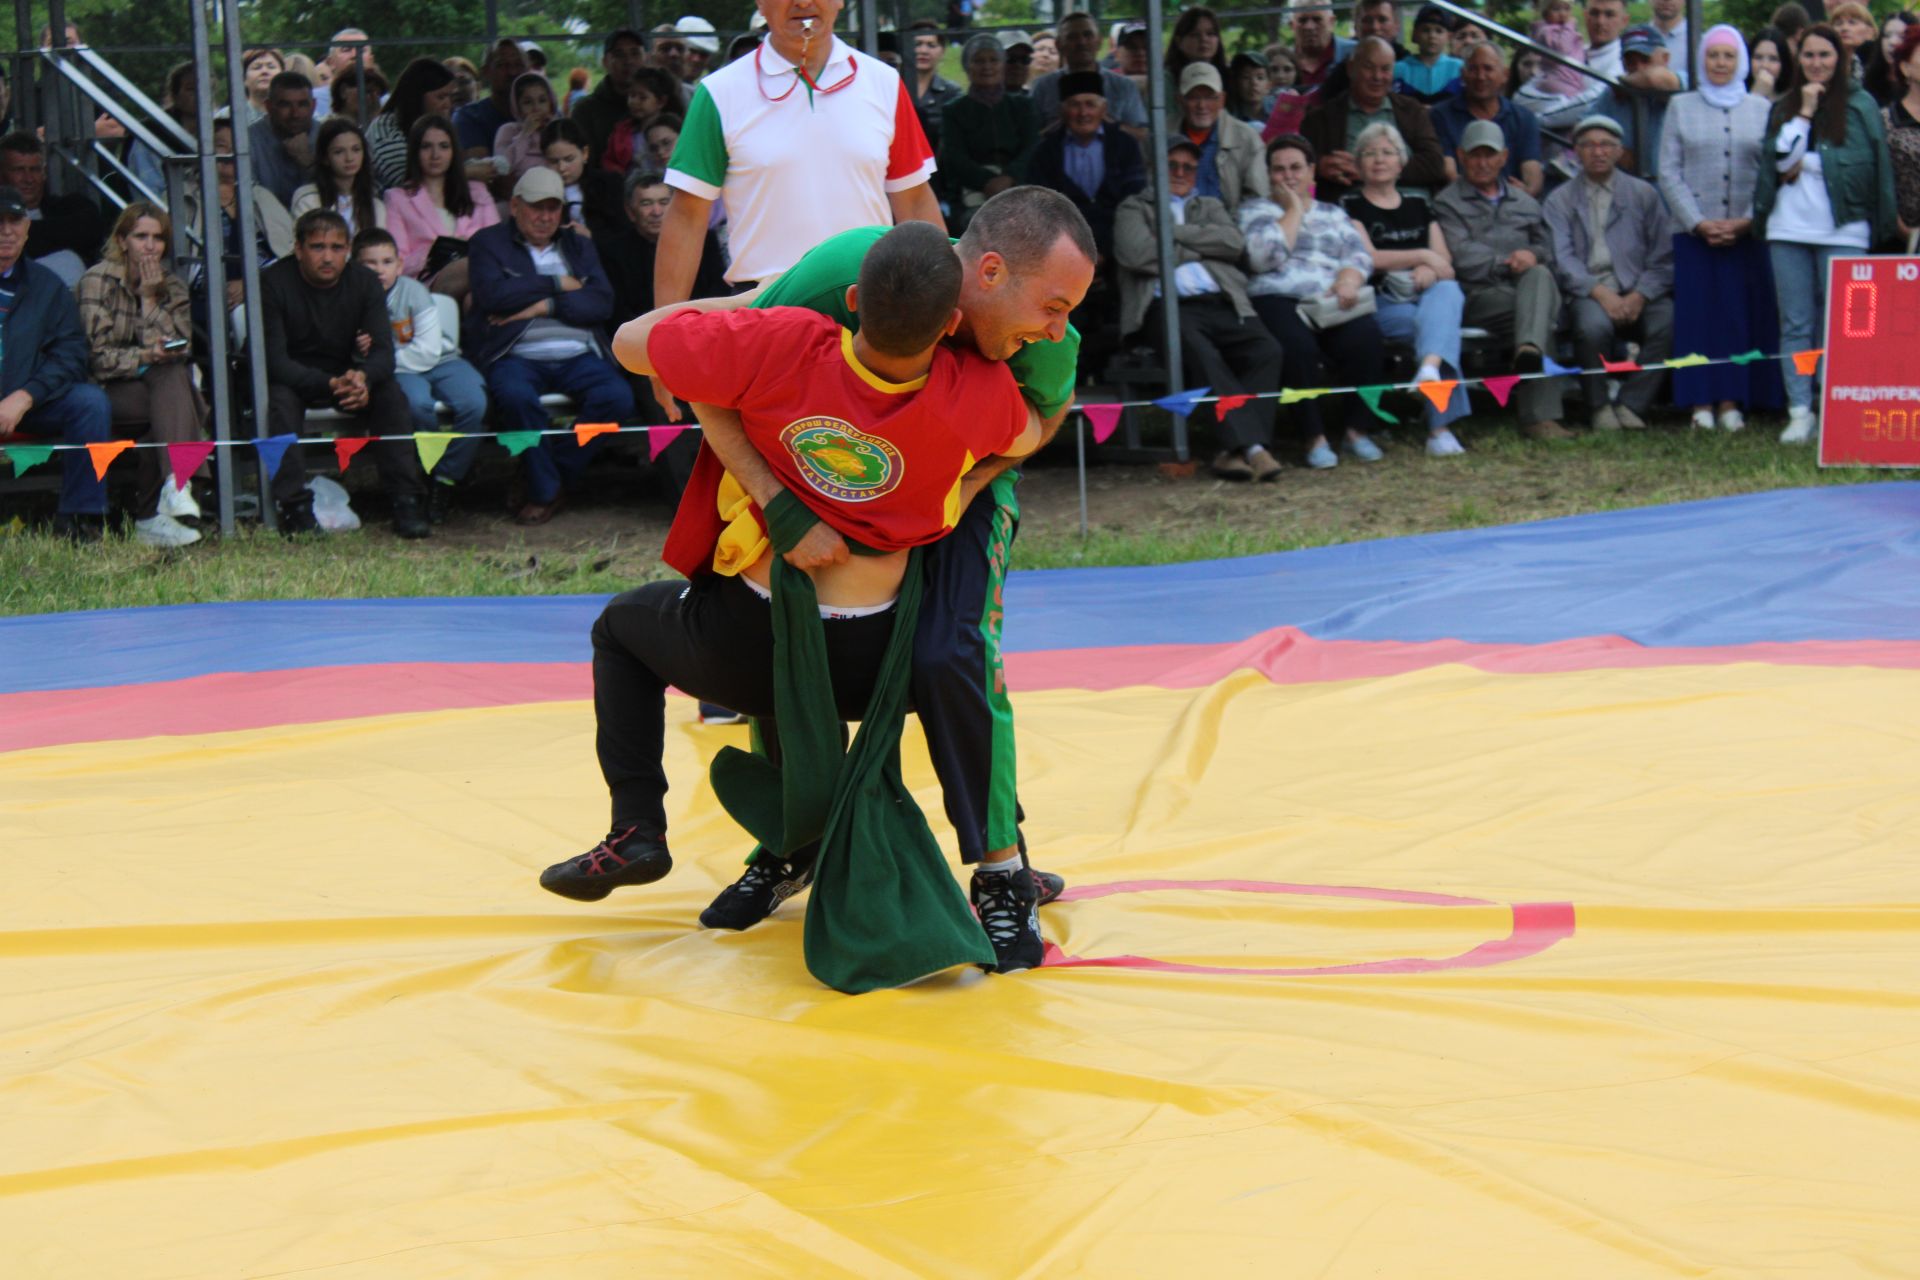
(432, 445)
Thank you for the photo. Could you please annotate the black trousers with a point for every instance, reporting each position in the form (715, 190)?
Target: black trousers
(713, 639)
(386, 414)
(1220, 350)
(1350, 355)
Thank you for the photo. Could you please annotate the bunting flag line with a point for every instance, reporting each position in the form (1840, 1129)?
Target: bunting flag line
(273, 449)
(1619, 366)
(1440, 391)
(1502, 387)
(344, 447)
(1371, 397)
(187, 457)
(1105, 419)
(26, 457)
(586, 431)
(1181, 403)
(104, 452)
(658, 438)
(432, 446)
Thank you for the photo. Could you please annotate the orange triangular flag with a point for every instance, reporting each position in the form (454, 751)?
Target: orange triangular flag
(1440, 391)
(104, 452)
(1805, 362)
(585, 431)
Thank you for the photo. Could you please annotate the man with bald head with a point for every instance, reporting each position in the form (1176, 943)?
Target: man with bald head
(1483, 80)
(1332, 126)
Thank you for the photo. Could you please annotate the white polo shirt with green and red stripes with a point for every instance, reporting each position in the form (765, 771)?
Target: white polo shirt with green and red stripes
(797, 164)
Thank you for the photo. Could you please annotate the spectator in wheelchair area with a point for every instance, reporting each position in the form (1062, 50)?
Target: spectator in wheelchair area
(329, 345)
(1222, 342)
(428, 367)
(138, 318)
(44, 390)
(541, 301)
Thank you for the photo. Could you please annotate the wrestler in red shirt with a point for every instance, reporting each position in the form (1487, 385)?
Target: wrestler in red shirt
(880, 461)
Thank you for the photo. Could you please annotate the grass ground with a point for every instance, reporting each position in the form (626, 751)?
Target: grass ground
(1138, 514)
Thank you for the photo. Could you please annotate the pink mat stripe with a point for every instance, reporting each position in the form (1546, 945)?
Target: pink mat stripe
(311, 695)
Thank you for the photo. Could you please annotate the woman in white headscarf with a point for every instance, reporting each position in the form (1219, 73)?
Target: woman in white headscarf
(1722, 281)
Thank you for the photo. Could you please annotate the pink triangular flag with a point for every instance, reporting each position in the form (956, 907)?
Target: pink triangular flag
(1440, 390)
(585, 431)
(1227, 404)
(344, 447)
(185, 459)
(1619, 366)
(658, 438)
(1805, 362)
(104, 452)
(1502, 387)
(1104, 417)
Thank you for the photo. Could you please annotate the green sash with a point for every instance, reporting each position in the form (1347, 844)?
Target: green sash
(885, 910)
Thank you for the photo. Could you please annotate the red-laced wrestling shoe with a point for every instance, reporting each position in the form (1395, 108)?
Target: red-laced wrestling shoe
(623, 858)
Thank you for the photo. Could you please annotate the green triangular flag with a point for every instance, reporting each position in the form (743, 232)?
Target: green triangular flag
(432, 446)
(518, 442)
(27, 456)
(1749, 358)
(1372, 396)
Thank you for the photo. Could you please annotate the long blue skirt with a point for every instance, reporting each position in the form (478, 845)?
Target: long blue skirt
(1723, 305)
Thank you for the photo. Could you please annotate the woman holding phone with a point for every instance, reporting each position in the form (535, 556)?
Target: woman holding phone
(139, 334)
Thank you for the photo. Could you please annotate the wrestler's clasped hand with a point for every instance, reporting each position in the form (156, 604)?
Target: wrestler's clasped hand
(821, 547)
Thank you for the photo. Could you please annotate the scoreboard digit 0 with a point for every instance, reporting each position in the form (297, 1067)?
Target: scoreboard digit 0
(1870, 376)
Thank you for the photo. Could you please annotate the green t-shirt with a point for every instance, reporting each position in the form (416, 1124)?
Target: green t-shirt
(1045, 370)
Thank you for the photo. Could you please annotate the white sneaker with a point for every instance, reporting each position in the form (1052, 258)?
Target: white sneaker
(163, 530)
(1733, 420)
(177, 503)
(1443, 444)
(1801, 427)
(1703, 419)
(1428, 373)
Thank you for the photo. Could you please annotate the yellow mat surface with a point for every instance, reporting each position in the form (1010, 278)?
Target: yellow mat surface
(289, 1002)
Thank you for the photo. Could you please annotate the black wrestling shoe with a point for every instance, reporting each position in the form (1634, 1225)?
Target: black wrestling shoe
(1048, 885)
(758, 893)
(623, 858)
(1007, 902)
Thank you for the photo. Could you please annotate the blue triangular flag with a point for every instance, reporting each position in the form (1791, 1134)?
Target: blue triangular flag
(1183, 402)
(272, 449)
(1549, 365)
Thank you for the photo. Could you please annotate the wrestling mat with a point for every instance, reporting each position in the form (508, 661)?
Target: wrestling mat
(1540, 900)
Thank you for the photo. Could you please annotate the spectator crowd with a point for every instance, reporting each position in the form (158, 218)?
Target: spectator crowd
(460, 241)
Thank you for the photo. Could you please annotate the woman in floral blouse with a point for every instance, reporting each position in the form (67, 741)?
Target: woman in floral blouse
(1300, 249)
(140, 330)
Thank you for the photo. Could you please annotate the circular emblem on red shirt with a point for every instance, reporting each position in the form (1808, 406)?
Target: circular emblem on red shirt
(841, 462)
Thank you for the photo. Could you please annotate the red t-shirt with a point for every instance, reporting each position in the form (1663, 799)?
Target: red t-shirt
(879, 461)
